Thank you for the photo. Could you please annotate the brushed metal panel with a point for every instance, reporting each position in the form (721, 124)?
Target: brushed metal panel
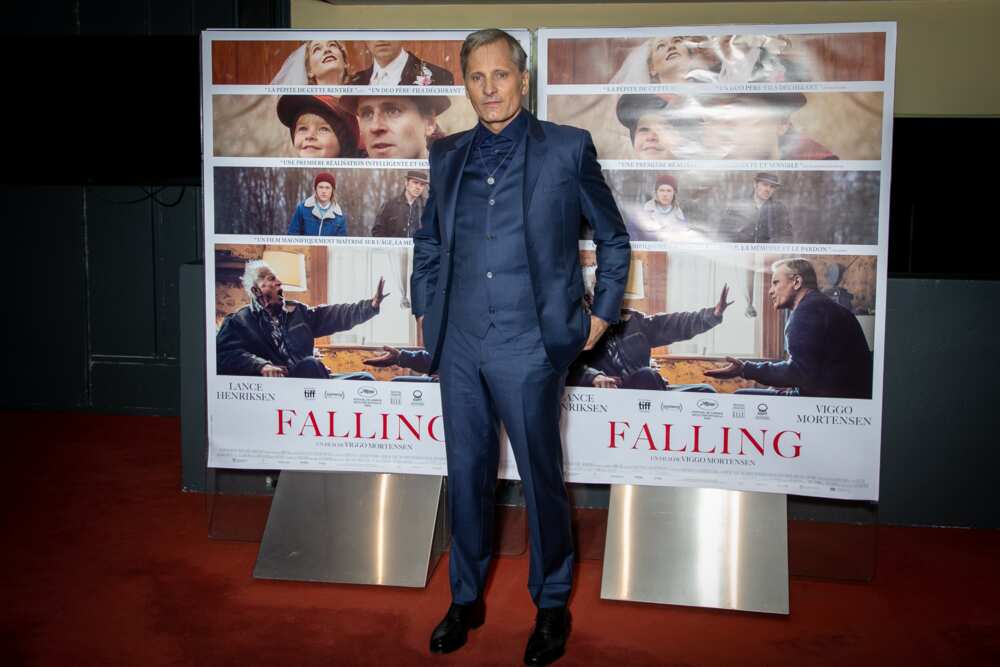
(352, 527)
(697, 547)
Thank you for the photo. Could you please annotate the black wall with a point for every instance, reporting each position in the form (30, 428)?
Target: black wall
(100, 191)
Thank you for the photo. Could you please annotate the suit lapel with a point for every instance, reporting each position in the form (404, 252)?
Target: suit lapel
(410, 71)
(455, 160)
(534, 159)
(364, 77)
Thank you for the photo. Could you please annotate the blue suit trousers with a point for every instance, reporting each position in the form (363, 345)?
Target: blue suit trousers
(486, 382)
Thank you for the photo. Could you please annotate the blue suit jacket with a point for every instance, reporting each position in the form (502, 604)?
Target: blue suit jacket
(562, 184)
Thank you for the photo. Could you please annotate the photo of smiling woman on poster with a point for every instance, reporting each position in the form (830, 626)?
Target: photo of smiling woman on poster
(318, 62)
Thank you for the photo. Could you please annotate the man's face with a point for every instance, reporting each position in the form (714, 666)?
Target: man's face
(314, 137)
(324, 192)
(384, 51)
(665, 195)
(392, 127)
(744, 129)
(784, 288)
(763, 190)
(325, 63)
(657, 139)
(415, 188)
(671, 58)
(494, 85)
(269, 292)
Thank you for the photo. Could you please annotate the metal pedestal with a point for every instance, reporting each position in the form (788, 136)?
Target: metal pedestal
(350, 527)
(697, 547)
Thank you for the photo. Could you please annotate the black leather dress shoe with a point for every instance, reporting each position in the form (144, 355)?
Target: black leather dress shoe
(451, 633)
(548, 642)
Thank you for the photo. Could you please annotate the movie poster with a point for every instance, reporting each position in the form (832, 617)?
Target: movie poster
(741, 158)
(316, 176)
(751, 166)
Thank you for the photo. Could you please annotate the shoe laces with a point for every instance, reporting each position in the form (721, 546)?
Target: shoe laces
(550, 621)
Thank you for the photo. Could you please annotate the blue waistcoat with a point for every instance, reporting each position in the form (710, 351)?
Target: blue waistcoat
(491, 281)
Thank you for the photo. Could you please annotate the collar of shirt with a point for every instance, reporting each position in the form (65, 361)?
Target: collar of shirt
(332, 208)
(392, 73)
(257, 308)
(511, 134)
(265, 317)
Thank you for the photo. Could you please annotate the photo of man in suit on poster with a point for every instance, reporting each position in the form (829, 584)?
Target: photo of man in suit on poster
(395, 66)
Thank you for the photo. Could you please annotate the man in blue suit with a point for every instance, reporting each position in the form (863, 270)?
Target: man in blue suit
(498, 291)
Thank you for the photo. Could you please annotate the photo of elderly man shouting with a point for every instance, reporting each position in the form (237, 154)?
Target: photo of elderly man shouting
(275, 337)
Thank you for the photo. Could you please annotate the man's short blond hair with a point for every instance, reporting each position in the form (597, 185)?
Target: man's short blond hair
(801, 267)
(490, 36)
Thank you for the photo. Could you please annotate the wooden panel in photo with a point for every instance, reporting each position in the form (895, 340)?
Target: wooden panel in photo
(249, 63)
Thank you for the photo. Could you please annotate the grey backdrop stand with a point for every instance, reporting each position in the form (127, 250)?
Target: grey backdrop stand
(697, 547)
(354, 527)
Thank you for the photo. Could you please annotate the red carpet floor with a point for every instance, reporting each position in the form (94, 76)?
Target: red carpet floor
(106, 562)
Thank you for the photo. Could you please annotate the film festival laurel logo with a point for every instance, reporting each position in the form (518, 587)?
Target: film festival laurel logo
(367, 396)
(707, 408)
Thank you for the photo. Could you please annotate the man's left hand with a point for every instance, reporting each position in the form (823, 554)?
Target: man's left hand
(733, 369)
(723, 304)
(379, 294)
(388, 357)
(597, 329)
